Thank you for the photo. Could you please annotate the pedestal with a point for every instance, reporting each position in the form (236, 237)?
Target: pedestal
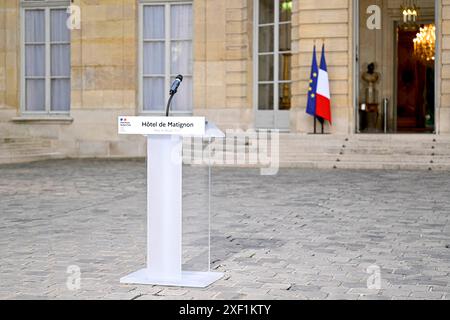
(164, 219)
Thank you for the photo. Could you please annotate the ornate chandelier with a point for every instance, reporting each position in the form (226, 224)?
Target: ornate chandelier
(425, 44)
(286, 5)
(410, 14)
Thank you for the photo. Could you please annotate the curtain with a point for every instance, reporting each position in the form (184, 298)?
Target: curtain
(183, 99)
(35, 60)
(34, 26)
(60, 60)
(181, 57)
(154, 89)
(154, 56)
(35, 95)
(154, 22)
(181, 21)
(60, 95)
(59, 31)
(35, 55)
(181, 54)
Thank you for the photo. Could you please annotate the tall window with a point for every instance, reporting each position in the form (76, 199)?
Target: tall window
(166, 51)
(46, 59)
(274, 54)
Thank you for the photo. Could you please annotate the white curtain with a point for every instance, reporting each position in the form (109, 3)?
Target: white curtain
(35, 60)
(181, 54)
(59, 31)
(181, 57)
(154, 56)
(154, 23)
(60, 60)
(35, 95)
(154, 89)
(34, 26)
(60, 94)
(183, 99)
(181, 21)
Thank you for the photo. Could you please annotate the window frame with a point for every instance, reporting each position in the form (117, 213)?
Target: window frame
(275, 81)
(167, 67)
(46, 6)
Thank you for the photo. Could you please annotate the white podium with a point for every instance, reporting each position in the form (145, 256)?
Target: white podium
(164, 198)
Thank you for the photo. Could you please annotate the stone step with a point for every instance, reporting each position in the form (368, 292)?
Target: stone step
(30, 157)
(19, 150)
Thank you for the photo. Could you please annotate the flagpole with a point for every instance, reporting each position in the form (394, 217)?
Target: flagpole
(315, 117)
(315, 125)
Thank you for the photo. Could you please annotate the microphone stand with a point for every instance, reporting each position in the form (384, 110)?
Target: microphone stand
(169, 103)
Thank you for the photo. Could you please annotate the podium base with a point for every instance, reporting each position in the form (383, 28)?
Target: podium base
(188, 279)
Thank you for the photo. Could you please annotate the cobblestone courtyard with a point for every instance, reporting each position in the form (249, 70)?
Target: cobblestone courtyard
(302, 234)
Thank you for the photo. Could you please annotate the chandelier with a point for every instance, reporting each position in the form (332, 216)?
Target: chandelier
(425, 44)
(410, 14)
(286, 5)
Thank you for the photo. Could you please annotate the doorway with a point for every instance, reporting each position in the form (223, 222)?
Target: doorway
(415, 84)
(272, 63)
(395, 72)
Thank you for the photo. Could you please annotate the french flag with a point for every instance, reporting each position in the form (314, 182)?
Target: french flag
(323, 102)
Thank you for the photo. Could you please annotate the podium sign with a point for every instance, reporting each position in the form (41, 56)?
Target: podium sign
(182, 126)
(164, 198)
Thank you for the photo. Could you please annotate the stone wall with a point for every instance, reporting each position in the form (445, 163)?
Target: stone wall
(9, 55)
(2, 54)
(104, 82)
(444, 112)
(104, 78)
(322, 21)
(223, 61)
(105, 66)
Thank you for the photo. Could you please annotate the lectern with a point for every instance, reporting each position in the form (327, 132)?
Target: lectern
(164, 198)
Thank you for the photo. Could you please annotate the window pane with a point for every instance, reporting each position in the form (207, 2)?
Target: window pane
(183, 99)
(154, 58)
(59, 30)
(181, 57)
(285, 37)
(154, 94)
(35, 60)
(266, 39)
(34, 26)
(265, 97)
(265, 67)
(285, 96)
(35, 95)
(266, 11)
(60, 95)
(60, 57)
(153, 23)
(181, 21)
(285, 10)
(285, 66)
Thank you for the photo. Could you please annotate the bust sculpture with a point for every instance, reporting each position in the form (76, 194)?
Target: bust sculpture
(371, 78)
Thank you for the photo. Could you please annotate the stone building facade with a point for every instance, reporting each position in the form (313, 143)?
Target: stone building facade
(106, 68)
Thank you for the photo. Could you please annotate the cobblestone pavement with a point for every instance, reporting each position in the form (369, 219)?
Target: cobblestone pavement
(302, 234)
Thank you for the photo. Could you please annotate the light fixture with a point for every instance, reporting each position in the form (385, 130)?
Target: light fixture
(410, 12)
(425, 44)
(286, 5)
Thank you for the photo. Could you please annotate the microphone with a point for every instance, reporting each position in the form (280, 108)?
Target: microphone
(173, 90)
(176, 84)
